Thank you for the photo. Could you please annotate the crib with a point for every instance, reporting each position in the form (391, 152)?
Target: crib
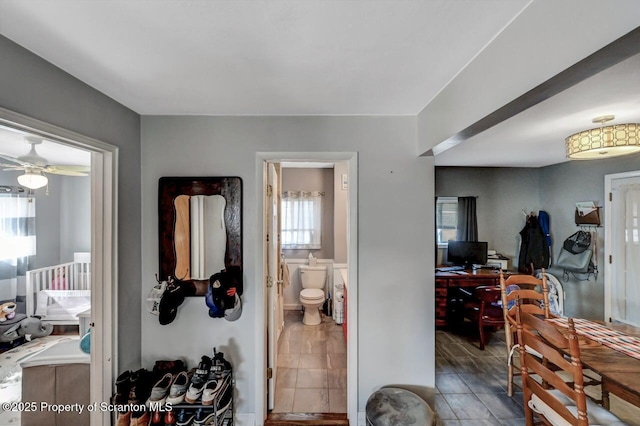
(60, 292)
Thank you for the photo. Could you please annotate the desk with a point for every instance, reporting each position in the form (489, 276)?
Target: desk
(620, 373)
(447, 285)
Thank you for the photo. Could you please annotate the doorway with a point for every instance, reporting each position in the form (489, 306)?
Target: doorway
(622, 239)
(283, 313)
(102, 218)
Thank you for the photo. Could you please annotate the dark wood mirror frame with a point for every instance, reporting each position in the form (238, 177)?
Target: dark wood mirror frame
(168, 189)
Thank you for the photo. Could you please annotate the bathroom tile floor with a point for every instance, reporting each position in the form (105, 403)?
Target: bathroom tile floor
(471, 385)
(311, 374)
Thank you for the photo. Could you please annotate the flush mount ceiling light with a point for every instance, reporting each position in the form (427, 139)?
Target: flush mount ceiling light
(604, 141)
(32, 179)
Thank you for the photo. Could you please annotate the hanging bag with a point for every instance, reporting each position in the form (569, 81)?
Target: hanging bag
(578, 242)
(576, 257)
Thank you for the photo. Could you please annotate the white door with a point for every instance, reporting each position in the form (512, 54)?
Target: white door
(273, 263)
(622, 288)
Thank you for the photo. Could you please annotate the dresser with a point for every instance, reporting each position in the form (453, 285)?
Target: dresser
(448, 294)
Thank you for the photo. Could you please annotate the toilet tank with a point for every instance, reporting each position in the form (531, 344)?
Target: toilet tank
(313, 276)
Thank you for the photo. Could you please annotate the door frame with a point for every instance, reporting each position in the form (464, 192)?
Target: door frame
(104, 288)
(351, 158)
(608, 235)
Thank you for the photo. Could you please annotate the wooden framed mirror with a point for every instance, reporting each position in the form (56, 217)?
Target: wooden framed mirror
(200, 228)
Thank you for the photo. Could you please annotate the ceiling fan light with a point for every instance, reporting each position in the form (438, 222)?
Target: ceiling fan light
(32, 180)
(604, 142)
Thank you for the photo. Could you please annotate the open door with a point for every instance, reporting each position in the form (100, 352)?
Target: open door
(274, 283)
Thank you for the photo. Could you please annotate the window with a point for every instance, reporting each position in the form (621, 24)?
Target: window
(446, 219)
(301, 220)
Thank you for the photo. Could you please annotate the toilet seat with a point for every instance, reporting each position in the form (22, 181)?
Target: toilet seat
(312, 294)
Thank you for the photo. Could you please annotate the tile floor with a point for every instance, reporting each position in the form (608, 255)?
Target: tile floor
(471, 385)
(311, 374)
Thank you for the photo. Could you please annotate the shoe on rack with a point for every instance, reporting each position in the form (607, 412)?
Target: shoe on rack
(220, 367)
(204, 417)
(198, 380)
(211, 391)
(178, 388)
(162, 367)
(160, 390)
(123, 386)
(143, 420)
(141, 382)
(123, 418)
(185, 418)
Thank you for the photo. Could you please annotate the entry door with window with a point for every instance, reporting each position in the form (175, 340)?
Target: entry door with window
(622, 282)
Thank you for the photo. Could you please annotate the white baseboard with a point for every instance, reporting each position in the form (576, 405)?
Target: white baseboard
(245, 419)
(292, 307)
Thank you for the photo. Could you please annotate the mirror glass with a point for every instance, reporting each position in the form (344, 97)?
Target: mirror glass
(200, 227)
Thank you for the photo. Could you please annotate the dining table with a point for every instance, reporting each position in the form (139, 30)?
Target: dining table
(612, 350)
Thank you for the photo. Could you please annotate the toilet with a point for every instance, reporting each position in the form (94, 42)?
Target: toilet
(312, 295)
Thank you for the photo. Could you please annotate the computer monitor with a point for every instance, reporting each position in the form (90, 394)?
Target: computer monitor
(467, 253)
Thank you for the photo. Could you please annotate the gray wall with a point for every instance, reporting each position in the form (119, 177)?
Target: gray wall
(75, 216)
(33, 87)
(555, 189)
(395, 239)
(502, 195)
(295, 179)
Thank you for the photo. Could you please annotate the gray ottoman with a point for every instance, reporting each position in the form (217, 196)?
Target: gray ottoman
(398, 407)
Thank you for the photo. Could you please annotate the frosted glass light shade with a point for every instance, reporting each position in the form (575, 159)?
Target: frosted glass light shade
(604, 142)
(32, 180)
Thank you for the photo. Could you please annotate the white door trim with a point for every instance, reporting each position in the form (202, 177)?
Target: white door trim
(608, 237)
(104, 294)
(352, 260)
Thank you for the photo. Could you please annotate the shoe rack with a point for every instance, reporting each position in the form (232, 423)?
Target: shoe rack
(220, 413)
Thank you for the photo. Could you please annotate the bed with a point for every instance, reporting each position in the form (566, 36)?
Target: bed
(60, 292)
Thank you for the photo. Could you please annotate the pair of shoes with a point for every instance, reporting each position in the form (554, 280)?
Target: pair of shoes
(178, 388)
(199, 380)
(160, 390)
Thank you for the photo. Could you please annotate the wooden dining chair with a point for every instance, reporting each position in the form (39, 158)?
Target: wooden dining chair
(482, 308)
(533, 294)
(562, 403)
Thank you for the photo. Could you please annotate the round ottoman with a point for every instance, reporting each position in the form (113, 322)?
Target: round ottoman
(397, 407)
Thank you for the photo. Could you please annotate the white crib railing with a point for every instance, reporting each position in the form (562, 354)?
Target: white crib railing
(65, 276)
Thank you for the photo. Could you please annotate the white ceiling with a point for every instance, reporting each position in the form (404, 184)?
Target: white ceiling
(311, 57)
(535, 137)
(262, 57)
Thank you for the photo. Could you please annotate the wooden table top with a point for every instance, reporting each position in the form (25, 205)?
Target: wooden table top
(619, 371)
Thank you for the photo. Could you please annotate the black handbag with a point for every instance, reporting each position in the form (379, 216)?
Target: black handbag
(577, 243)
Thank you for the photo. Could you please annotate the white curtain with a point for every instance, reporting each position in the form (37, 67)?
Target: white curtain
(17, 239)
(301, 220)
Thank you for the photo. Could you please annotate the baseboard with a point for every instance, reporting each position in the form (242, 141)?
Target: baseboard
(245, 419)
(292, 307)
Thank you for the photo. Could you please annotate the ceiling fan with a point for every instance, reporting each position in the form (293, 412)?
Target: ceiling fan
(35, 167)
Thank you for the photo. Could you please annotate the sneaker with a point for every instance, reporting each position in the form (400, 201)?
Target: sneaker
(140, 386)
(123, 386)
(178, 389)
(211, 390)
(220, 368)
(185, 418)
(123, 419)
(198, 380)
(161, 389)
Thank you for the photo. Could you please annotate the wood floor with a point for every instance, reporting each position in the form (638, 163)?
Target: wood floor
(309, 419)
(471, 384)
